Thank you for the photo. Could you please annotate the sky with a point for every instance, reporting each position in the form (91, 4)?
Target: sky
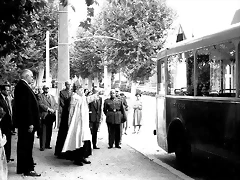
(201, 17)
(197, 17)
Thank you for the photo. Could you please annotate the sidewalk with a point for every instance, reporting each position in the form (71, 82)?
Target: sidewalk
(114, 164)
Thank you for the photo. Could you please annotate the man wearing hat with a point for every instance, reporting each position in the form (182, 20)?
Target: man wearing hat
(48, 107)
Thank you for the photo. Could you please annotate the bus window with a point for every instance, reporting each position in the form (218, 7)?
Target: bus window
(180, 74)
(161, 77)
(215, 66)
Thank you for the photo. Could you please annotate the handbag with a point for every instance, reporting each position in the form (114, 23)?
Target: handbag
(124, 119)
(124, 116)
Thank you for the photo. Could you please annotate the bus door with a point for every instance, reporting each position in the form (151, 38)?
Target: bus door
(161, 131)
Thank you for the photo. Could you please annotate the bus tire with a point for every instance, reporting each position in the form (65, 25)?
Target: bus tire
(183, 153)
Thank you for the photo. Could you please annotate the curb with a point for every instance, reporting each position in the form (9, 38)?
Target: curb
(164, 165)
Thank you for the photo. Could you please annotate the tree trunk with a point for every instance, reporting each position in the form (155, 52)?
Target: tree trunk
(109, 81)
(96, 83)
(134, 88)
(89, 82)
(40, 74)
(112, 79)
(119, 77)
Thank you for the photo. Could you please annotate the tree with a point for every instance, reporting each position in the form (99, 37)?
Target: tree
(142, 25)
(85, 58)
(15, 18)
(45, 20)
(30, 52)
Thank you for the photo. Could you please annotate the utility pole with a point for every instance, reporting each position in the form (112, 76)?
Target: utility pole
(63, 48)
(47, 60)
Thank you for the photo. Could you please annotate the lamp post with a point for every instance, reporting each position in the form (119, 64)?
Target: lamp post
(63, 47)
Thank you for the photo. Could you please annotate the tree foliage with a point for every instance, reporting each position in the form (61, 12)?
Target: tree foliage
(142, 27)
(27, 46)
(85, 60)
(45, 20)
(15, 19)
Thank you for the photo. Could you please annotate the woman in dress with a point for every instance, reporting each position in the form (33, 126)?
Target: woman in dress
(79, 135)
(137, 113)
(3, 160)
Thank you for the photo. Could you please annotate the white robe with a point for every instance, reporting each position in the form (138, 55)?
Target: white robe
(3, 160)
(79, 130)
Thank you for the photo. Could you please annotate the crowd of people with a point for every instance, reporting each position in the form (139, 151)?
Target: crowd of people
(81, 113)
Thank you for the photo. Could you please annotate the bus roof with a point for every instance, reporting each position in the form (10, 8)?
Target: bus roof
(229, 33)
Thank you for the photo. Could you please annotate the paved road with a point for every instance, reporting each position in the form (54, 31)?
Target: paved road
(202, 167)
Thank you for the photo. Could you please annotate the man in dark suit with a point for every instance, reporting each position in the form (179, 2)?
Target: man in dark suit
(64, 100)
(48, 107)
(6, 123)
(27, 119)
(95, 114)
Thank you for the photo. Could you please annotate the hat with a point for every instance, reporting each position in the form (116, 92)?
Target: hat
(77, 84)
(45, 87)
(68, 82)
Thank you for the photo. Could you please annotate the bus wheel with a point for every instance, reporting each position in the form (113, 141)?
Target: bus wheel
(183, 154)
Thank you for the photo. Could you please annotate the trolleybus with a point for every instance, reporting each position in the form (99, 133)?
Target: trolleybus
(198, 96)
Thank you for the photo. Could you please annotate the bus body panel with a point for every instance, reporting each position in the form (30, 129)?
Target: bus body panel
(212, 126)
(161, 122)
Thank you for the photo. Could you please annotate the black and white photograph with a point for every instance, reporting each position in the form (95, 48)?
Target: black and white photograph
(120, 89)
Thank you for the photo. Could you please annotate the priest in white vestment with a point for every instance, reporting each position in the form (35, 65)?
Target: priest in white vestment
(3, 159)
(79, 135)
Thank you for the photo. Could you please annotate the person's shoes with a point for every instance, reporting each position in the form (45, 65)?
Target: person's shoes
(86, 161)
(61, 156)
(10, 160)
(95, 147)
(110, 147)
(78, 163)
(48, 147)
(70, 158)
(32, 173)
(119, 147)
(41, 149)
